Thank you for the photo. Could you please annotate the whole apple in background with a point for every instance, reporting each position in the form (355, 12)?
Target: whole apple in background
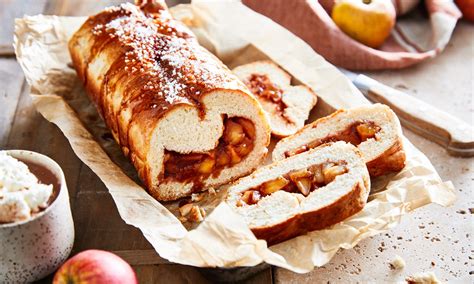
(467, 8)
(401, 6)
(95, 266)
(367, 21)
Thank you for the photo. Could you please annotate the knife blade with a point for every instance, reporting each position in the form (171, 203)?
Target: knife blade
(424, 119)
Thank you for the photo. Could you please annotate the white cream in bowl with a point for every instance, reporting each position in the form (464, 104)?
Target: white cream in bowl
(21, 193)
(35, 247)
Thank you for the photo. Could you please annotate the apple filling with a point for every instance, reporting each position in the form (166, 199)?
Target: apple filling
(301, 181)
(261, 86)
(355, 134)
(235, 144)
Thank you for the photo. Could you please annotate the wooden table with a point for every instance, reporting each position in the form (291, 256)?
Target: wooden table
(431, 239)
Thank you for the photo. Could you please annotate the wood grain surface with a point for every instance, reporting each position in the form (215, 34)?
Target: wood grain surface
(97, 222)
(99, 226)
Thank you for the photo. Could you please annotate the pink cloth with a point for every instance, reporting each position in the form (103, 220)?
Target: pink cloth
(412, 40)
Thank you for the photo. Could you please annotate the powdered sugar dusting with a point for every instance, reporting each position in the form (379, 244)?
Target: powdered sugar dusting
(164, 49)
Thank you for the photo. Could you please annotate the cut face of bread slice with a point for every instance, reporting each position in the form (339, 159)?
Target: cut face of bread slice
(374, 129)
(306, 192)
(185, 121)
(287, 106)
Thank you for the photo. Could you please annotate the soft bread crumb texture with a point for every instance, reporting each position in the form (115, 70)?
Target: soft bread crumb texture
(182, 131)
(382, 153)
(281, 206)
(158, 89)
(299, 100)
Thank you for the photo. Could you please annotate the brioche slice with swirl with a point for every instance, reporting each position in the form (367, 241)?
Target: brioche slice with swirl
(374, 129)
(184, 120)
(306, 192)
(286, 106)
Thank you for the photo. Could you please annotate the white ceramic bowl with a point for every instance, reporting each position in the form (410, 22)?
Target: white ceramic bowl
(32, 249)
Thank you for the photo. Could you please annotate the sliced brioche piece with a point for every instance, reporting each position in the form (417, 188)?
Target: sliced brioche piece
(287, 106)
(274, 203)
(181, 116)
(374, 129)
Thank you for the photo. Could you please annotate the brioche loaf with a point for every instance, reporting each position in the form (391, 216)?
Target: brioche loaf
(374, 129)
(184, 120)
(302, 193)
(287, 106)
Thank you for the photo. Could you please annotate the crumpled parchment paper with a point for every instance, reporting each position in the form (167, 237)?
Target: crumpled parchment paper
(236, 35)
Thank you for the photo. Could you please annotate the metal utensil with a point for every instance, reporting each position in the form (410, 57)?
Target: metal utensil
(434, 124)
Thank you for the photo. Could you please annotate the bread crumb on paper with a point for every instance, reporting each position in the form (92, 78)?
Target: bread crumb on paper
(196, 197)
(212, 191)
(423, 278)
(397, 263)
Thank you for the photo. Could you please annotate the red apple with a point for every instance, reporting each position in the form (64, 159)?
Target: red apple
(467, 9)
(95, 266)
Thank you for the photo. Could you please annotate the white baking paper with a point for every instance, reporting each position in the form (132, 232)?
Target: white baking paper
(237, 35)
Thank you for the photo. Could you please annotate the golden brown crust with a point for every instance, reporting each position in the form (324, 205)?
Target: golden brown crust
(156, 60)
(271, 85)
(151, 65)
(300, 224)
(392, 160)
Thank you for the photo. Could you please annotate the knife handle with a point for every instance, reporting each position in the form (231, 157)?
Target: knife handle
(452, 133)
